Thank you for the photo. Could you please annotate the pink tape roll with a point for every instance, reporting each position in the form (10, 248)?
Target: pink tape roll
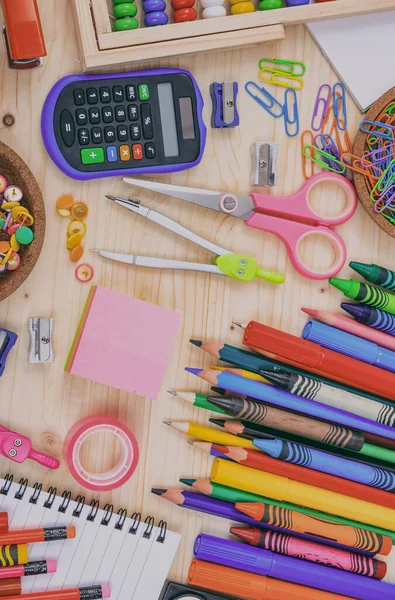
(120, 473)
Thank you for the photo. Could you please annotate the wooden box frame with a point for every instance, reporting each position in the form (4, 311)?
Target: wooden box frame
(101, 47)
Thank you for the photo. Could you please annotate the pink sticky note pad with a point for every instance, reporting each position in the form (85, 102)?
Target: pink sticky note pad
(123, 342)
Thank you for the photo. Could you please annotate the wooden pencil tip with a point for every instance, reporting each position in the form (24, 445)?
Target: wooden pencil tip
(167, 423)
(197, 343)
(158, 491)
(238, 324)
(172, 392)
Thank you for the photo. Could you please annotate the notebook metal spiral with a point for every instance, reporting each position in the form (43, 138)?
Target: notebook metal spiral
(108, 509)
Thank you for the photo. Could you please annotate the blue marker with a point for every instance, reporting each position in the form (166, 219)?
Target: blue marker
(298, 454)
(349, 344)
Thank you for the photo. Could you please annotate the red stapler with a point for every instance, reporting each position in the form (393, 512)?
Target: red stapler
(23, 34)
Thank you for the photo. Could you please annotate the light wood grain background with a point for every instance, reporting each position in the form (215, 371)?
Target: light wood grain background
(42, 401)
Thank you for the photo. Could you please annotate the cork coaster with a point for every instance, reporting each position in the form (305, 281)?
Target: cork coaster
(359, 180)
(16, 172)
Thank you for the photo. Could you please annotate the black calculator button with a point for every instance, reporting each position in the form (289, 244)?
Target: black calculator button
(81, 117)
(146, 119)
(105, 95)
(120, 114)
(135, 132)
(117, 93)
(131, 93)
(107, 114)
(79, 97)
(91, 94)
(133, 112)
(67, 128)
(83, 137)
(109, 134)
(122, 133)
(97, 136)
(150, 150)
(94, 116)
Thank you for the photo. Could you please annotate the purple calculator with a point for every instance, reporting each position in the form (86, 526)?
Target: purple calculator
(124, 124)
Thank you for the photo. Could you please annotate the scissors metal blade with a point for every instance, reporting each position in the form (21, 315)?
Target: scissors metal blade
(227, 203)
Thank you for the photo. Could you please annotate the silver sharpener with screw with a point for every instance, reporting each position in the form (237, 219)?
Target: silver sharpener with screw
(264, 163)
(40, 346)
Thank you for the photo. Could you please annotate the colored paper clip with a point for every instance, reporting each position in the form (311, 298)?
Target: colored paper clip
(378, 156)
(321, 106)
(350, 161)
(291, 113)
(307, 143)
(277, 76)
(340, 106)
(384, 202)
(341, 170)
(266, 95)
(289, 66)
(328, 114)
(383, 182)
(341, 137)
(382, 129)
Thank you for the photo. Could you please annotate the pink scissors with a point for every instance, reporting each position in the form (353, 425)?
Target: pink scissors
(291, 218)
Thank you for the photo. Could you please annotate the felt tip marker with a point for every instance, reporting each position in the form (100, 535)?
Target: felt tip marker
(40, 567)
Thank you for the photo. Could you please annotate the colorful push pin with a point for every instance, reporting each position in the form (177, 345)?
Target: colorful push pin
(76, 227)
(13, 193)
(3, 184)
(79, 210)
(24, 235)
(74, 241)
(64, 204)
(13, 262)
(76, 253)
(84, 273)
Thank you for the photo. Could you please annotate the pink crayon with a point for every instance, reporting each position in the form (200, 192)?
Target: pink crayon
(346, 324)
(312, 552)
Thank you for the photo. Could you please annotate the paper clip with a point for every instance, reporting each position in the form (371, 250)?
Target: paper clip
(276, 77)
(339, 100)
(317, 153)
(350, 161)
(390, 109)
(267, 95)
(289, 66)
(389, 128)
(291, 113)
(338, 135)
(307, 144)
(378, 156)
(384, 202)
(321, 104)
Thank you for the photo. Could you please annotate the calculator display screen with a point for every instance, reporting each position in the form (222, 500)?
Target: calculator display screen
(188, 128)
(168, 119)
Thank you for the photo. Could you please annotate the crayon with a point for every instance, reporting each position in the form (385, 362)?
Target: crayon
(264, 414)
(207, 434)
(365, 293)
(263, 562)
(295, 351)
(349, 345)
(40, 567)
(373, 317)
(256, 363)
(284, 489)
(311, 551)
(197, 400)
(374, 274)
(282, 399)
(94, 592)
(249, 586)
(369, 454)
(13, 555)
(311, 458)
(308, 387)
(261, 462)
(355, 327)
(41, 534)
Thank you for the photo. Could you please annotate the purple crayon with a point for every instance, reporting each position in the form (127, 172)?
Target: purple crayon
(373, 317)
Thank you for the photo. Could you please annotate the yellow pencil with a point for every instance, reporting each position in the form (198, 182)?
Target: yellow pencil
(279, 488)
(242, 373)
(206, 434)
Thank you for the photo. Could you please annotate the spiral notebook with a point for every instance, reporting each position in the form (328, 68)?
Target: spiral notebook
(132, 554)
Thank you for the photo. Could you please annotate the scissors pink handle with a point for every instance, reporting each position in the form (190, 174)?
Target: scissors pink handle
(289, 218)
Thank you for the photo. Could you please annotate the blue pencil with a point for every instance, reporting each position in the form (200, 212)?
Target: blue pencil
(278, 397)
(311, 458)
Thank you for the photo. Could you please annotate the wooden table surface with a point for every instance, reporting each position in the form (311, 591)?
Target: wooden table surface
(42, 401)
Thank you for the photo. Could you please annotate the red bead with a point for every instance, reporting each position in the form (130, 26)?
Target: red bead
(179, 4)
(185, 14)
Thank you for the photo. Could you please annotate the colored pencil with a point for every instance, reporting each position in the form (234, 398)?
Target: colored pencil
(264, 414)
(257, 362)
(241, 372)
(220, 492)
(207, 434)
(263, 562)
(328, 463)
(40, 534)
(327, 363)
(249, 586)
(231, 474)
(351, 326)
(40, 567)
(375, 274)
(365, 293)
(197, 400)
(311, 551)
(280, 398)
(259, 461)
(371, 317)
(14, 554)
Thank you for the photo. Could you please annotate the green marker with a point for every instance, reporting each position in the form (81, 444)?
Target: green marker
(367, 294)
(222, 492)
(375, 274)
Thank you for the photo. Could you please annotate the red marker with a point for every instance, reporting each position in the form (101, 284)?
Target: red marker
(40, 567)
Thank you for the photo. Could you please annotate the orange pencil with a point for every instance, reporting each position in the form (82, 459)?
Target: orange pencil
(251, 586)
(41, 534)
